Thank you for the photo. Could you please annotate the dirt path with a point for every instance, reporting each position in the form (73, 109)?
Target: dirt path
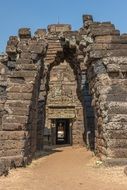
(65, 169)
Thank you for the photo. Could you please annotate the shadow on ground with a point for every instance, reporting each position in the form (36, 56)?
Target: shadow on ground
(48, 151)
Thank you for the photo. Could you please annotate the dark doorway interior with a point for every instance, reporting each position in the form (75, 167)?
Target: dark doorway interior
(63, 131)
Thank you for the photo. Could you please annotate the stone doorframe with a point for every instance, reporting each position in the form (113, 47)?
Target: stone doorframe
(53, 130)
(51, 115)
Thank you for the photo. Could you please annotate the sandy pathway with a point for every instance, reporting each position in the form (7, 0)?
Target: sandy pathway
(65, 169)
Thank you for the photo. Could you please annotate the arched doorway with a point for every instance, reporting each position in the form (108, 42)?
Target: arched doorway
(64, 119)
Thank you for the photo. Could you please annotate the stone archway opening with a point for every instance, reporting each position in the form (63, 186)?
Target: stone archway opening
(63, 109)
(66, 97)
(63, 103)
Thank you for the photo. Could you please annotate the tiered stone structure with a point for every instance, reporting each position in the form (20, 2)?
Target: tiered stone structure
(76, 75)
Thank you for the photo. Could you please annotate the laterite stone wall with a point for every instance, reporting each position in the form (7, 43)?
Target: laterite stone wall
(97, 53)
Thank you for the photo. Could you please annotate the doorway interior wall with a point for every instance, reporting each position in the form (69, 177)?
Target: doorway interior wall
(63, 131)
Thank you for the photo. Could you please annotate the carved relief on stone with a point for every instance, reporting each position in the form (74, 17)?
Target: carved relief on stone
(61, 113)
(62, 86)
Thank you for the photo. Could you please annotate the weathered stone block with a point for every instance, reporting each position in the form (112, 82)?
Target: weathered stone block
(107, 53)
(14, 127)
(118, 97)
(117, 108)
(105, 39)
(116, 126)
(24, 74)
(15, 161)
(3, 168)
(59, 28)
(18, 80)
(12, 152)
(26, 55)
(117, 134)
(117, 117)
(17, 111)
(13, 135)
(12, 144)
(20, 88)
(117, 153)
(40, 33)
(11, 64)
(11, 49)
(15, 119)
(22, 61)
(24, 33)
(117, 143)
(36, 48)
(19, 96)
(13, 40)
(26, 66)
(104, 31)
(34, 56)
(18, 103)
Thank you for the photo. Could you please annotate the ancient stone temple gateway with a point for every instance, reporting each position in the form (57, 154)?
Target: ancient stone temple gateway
(64, 87)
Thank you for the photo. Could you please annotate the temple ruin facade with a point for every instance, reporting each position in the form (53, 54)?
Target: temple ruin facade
(63, 87)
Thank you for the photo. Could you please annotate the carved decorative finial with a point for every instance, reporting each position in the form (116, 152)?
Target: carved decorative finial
(24, 33)
(87, 20)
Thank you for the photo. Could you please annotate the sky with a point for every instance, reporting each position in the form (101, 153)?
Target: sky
(34, 14)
